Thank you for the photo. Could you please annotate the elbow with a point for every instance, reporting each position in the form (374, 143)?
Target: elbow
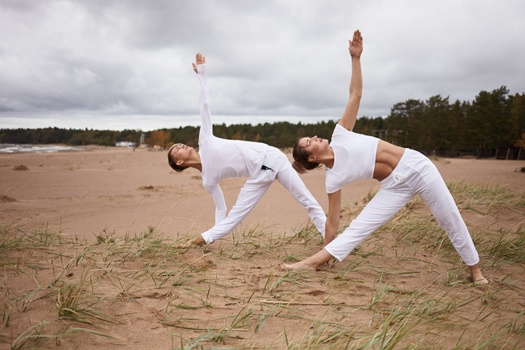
(356, 94)
(354, 99)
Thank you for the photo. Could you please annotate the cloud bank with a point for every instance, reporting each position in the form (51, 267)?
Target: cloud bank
(127, 64)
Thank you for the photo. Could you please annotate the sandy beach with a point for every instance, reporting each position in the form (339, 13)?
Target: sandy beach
(99, 190)
(129, 290)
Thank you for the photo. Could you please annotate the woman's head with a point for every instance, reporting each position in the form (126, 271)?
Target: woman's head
(302, 155)
(177, 155)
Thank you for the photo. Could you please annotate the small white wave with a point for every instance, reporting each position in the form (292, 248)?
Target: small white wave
(14, 148)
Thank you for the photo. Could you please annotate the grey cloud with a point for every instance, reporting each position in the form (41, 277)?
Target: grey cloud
(121, 62)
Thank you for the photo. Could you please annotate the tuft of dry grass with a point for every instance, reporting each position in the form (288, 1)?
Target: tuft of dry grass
(4, 198)
(20, 167)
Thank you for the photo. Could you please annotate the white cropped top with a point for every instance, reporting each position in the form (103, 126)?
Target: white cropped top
(354, 158)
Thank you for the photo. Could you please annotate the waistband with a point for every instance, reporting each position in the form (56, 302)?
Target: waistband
(404, 157)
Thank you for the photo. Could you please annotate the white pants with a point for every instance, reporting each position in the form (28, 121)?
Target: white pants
(415, 174)
(278, 168)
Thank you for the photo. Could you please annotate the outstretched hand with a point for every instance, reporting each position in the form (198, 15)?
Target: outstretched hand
(355, 46)
(195, 242)
(199, 59)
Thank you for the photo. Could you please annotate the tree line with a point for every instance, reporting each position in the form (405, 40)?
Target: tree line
(492, 120)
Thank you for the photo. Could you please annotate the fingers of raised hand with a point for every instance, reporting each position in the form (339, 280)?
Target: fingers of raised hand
(357, 40)
(199, 58)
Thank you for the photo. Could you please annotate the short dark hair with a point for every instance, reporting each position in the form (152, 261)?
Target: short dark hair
(300, 156)
(173, 164)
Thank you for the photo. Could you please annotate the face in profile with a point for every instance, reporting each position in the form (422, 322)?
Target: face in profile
(179, 153)
(313, 145)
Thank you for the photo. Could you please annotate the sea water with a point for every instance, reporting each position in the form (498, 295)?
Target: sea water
(23, 148)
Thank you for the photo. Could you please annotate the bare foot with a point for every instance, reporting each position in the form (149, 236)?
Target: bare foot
(312, 263)
(301, 265)
(476, 276)
(481, 282)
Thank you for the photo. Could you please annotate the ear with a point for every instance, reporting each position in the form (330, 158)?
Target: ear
(312, 158)
(179, 162)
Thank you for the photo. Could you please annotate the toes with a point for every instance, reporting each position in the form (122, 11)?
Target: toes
(481, 282)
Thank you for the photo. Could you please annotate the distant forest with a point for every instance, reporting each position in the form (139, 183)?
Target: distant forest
(492, 124)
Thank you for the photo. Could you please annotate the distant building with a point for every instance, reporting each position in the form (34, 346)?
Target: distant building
(125, 144)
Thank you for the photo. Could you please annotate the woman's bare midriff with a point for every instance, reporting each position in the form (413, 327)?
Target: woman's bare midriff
(387, 158)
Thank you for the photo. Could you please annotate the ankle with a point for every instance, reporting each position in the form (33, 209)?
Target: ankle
(475, 273)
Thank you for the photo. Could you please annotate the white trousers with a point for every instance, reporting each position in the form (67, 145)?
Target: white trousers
(415, 174)
(278, 168)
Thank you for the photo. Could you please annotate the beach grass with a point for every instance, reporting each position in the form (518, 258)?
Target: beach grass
(403, 288)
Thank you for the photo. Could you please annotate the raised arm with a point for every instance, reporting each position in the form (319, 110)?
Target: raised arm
(199, 66)
(356, 83)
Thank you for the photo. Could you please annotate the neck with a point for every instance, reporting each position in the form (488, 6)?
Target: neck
(328, 159)
(196, 162)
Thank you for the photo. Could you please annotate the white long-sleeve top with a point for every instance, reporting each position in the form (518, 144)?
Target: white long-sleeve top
(221, 159)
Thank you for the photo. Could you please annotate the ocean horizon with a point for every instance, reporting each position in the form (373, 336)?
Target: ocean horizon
(38, 148)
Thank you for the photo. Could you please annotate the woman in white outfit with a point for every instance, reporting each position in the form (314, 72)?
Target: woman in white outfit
(218, 159)
(402, 174)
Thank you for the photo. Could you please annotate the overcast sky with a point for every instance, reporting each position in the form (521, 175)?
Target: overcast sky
(126, 64)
